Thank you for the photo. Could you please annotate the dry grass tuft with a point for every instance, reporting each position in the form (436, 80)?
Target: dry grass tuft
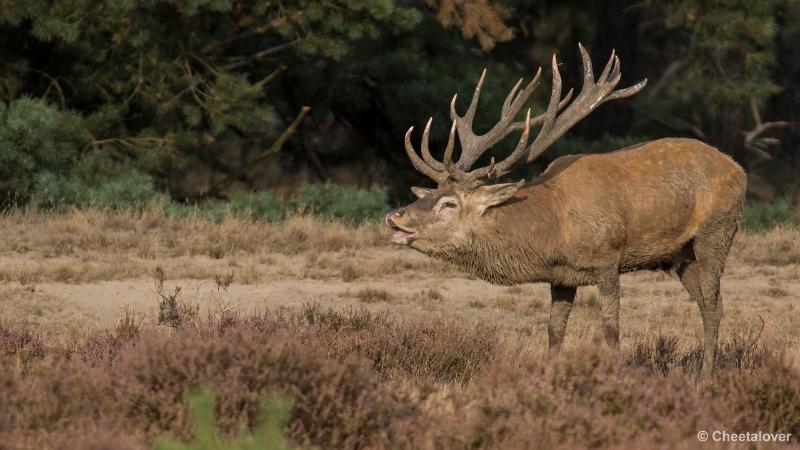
(369, 295)
(775, 292)
(150, 233)
(778, 246)
(477, 304)
(172, 310)
(506, 303)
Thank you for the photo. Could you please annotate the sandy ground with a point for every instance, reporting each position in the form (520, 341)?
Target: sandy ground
(92, 292)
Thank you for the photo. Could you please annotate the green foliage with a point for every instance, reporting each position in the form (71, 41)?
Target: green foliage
(763, 215)
(53, 191)
(730, 50)
(171, 89)
(136, 191)
(266, 436)
(36, 139)
(160, 83)
(129, 190)
(263, 205)
(340, 202)
(329, 201)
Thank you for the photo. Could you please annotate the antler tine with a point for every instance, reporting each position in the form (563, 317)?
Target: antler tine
(606, 69)
(451, 168)
(425, 150)
(514, 102)
(473, 104)
(540, 118)
(510, 97)
(448, 151)
(549, 116)
(419, 164)
(507, 164)
(448, 154)
(588, 72)
(627, 92)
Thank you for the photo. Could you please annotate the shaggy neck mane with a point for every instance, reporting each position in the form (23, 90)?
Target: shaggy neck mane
(499, 249)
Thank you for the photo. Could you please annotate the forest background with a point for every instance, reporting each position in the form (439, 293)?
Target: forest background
(270, 107)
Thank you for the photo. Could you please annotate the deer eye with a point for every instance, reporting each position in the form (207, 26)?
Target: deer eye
(448, 204)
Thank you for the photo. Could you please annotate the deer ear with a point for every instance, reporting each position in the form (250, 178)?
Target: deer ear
(487, 196)
(420, 191)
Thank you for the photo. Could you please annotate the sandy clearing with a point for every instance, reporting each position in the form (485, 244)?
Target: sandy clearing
(652, 302)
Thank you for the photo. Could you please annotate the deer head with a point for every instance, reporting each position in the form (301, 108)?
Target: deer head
(445, 216)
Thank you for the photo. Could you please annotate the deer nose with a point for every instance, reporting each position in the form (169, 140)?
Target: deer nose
(394, 214)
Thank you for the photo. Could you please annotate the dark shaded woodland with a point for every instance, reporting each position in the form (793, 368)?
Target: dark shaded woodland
(204, 98)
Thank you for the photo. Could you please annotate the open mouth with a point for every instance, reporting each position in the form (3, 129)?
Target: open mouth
(400, 234)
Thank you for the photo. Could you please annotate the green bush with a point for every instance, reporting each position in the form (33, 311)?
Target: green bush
(36, 138)
(53, 191)
(761, 215)
(267, 436)
(131, 190)
(263, 205)
(340, 202)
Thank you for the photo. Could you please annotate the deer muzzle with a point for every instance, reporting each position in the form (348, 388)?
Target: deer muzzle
(400, 234)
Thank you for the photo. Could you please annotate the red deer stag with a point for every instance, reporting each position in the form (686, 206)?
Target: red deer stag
(665, 204)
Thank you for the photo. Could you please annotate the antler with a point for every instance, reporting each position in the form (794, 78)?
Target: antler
(553, 125)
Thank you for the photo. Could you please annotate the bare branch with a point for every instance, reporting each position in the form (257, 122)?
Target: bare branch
(752, 139)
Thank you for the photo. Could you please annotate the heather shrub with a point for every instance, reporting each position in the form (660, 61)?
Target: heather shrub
(363, 380)
(741, 350)
(438, 351)
(19, 346)
(581, 399)
(768, 399)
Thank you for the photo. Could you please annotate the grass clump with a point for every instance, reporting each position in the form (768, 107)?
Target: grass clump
(369, 295)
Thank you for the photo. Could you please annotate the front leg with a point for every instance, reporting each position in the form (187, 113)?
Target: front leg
(609, 298)
(561, 305)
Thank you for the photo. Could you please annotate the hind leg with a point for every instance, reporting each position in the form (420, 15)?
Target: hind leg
(701, 278)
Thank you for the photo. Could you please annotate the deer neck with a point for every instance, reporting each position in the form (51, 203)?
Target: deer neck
(515, 244)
